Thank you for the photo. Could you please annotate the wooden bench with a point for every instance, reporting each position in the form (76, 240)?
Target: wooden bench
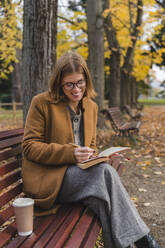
(134, 116)
(121, 126)
(139, 106)
(72, 226)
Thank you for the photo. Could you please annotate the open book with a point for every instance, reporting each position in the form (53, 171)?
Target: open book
(101, 157)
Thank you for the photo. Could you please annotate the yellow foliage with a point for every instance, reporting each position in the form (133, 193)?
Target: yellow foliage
(123, 19)
(11, 36)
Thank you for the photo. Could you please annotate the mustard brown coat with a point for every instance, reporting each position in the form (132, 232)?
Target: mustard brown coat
(46, 149)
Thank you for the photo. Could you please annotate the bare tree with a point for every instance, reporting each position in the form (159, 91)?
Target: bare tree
(39, 47)
(96, 48)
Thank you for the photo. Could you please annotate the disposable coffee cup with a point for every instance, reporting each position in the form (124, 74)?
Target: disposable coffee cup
(23, 208)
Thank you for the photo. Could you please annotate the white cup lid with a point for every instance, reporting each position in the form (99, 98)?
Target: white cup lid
(23, 202)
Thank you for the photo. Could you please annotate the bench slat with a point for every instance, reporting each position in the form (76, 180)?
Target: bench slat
(7, 234)
(90, 242)
(12, 178)
(10, 142)
(10, 232)
(21, 240)
(44, 233)
(8, 167)
(65, 230)
(10, 153)
(78, 237)
(6, 214)
(11, 133)
(9, 195)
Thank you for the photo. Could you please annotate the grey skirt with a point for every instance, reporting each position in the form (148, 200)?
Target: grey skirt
(100, 188)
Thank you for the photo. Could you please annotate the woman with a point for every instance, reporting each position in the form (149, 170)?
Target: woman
(57, 119)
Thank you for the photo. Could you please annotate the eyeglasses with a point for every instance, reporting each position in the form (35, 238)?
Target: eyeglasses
(70, 85)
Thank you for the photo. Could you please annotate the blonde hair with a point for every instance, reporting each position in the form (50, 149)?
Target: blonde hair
(69, 63)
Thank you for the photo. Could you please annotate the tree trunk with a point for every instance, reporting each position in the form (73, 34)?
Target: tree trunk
(96, 49)
(127, 68)
(114, 94)
(39, 47)
(16, 79)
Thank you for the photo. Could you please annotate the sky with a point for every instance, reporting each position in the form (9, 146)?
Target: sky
(160, 76)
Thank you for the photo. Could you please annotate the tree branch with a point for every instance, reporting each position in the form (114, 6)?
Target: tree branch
(71, 22)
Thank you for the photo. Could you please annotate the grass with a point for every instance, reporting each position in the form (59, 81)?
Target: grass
(6, 114)
(152, 101)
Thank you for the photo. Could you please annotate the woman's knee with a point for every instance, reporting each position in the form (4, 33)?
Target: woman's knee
(108, 168)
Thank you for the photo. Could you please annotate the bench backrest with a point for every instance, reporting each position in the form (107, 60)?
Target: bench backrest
(10, 171)
(116, 117)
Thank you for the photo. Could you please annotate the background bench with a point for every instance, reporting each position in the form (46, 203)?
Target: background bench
(73, 225)
(134, 116)
(120, 125)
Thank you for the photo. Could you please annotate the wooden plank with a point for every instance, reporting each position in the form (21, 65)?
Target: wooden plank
(43, 233)
(81, 230)
(14, 151)
(6, 168)
(6, 214)
(12, 178)
(11, 232)
(65, 229)
(7, 234)
(11, 133)
(21, 240)
(10, 142)
(92, 237)
(9, 195)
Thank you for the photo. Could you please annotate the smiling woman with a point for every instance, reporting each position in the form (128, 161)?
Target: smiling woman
(60, 132)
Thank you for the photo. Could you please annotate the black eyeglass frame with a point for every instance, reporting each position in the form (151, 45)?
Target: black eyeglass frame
(72, 84)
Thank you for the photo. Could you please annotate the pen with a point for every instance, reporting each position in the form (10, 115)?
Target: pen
(74, 145)
(77, 146)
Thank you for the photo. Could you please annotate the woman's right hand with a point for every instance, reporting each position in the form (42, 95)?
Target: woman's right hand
(83, 153)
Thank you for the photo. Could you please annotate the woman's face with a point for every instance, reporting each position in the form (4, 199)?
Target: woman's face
(74, 86)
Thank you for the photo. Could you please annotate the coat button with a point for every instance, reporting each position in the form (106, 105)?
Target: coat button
(75, 119)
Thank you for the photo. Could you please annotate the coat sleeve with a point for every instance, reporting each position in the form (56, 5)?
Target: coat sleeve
(34, 144)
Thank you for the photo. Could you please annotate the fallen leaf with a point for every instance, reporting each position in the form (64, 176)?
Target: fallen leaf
(137, 156)
(147, 162)
(134, 199)
(163, 182)
(147, 204)
(145, 175)
(147, 156)
(157, 159)
(157, 172)
(142, 190)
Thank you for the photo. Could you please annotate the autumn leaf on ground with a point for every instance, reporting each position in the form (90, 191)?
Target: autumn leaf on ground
(147, 162)
(145, 176)
(142, 190)
(157, 159)
(147, 204)
(147, 156)
(163, 182)
(157, 172)
(135, 200)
